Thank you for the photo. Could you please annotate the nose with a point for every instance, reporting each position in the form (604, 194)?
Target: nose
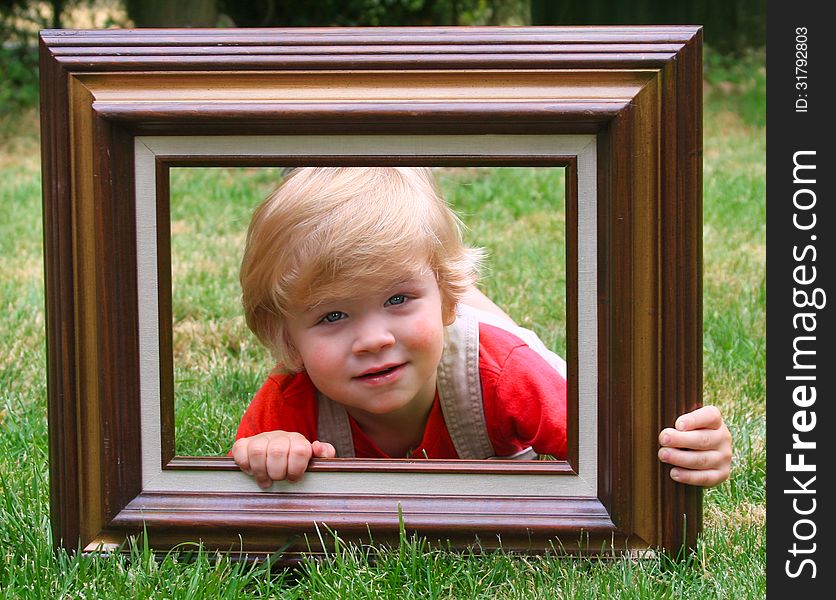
(373, 335)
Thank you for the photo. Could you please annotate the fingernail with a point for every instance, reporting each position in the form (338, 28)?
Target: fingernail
(666, 439)
(680, 424)
(664, 455)
(675, 474)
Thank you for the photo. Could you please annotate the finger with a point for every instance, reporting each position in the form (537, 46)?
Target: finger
(240, 455)
(706, 417)
(298, 457)
(693, 459)
(277, 458)
(701, 439)
(323, 450)
(707, 478)
(257, 456)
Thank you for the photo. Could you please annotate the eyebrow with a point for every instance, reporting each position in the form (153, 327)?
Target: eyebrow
(410, 280)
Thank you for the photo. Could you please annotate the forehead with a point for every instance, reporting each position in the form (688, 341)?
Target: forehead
(349, 289)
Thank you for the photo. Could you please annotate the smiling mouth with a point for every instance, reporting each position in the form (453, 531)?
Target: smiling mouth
(379, 372)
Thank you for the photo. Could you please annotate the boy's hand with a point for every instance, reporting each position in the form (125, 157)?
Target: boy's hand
(277, 455)
(700, 448)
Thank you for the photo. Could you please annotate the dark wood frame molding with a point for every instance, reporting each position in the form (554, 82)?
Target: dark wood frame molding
(637, 89)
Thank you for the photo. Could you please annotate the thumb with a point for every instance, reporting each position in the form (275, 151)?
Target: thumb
(323, 450)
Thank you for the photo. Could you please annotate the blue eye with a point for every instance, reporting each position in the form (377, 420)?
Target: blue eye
(334, 316)
(398, 299)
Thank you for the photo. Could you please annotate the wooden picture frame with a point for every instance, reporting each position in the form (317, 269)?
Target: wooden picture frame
(619, 107)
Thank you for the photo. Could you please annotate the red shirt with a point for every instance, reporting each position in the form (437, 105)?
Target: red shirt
(524, 400)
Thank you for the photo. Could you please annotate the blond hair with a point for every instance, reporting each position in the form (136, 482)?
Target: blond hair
(336, 232)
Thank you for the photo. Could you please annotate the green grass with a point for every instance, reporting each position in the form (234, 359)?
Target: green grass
(730, 558)
(517, 215)
(218, 363)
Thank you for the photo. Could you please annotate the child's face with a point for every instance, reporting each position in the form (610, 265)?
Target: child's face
(375, 353)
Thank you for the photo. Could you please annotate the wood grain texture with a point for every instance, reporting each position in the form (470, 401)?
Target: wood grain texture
(364, 49)
(267, 521)
(681, 274)
(636, 88)
(62, 361)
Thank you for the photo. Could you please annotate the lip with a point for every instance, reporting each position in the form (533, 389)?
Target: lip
(381, 373)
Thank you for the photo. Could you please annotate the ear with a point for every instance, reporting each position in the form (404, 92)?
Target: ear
(448, 311)
(289, 364)
(287, 355)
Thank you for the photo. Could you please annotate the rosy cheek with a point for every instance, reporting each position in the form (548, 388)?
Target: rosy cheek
(327, 366)
(314, 354)
(320, 357)
(426, 333)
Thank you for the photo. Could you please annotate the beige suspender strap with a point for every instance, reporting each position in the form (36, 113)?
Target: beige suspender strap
(460, 389)
(463, 401)
(332, 426)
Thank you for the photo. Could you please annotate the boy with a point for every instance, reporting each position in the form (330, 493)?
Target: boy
(358, 281)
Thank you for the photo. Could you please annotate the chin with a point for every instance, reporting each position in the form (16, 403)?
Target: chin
(385, 407)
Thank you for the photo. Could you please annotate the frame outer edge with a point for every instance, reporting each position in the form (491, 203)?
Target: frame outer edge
(681, 73)
(60, 324)
(682, 504)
